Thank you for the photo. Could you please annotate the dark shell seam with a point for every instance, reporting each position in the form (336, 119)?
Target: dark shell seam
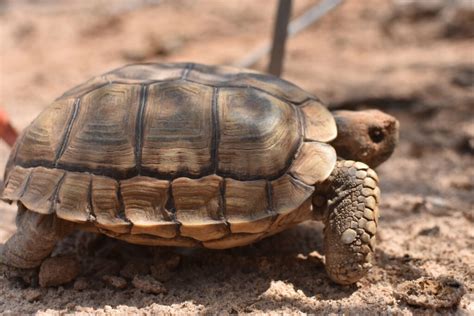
(65, 137)
(139, 128)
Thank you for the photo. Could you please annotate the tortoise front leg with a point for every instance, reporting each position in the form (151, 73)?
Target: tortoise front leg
(350, 221)
(34, 240)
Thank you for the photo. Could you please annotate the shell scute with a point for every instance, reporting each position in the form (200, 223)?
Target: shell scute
(289, 195)
(319, 123)
(86, 87)
(73, 198)
(198, 207)
(144, 200)
(141, 73)
(106, 205)
(40, 192)
(102, 134)
(247, 206)
(15, 184)
(314, 162)
(234, 240)
(259, 134)
(226, 76)
(177, 129)
(43, 138)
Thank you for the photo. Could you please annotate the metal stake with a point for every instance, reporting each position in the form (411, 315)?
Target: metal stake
(280, 33)
(296, 26)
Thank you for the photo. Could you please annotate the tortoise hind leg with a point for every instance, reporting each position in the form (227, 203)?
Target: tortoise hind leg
(34, 240)
(351, 221)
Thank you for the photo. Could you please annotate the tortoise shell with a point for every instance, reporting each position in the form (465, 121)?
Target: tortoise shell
(176, 154)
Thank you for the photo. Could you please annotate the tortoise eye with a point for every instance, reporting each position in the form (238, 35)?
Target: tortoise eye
(376, 134)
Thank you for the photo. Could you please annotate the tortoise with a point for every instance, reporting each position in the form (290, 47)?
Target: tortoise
(190, 155)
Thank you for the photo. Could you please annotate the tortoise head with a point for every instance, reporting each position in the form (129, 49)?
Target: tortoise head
(368, 136)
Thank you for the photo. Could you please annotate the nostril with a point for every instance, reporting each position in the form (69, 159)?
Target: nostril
(376, 134)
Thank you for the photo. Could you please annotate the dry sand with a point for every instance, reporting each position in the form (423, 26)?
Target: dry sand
(416, 64)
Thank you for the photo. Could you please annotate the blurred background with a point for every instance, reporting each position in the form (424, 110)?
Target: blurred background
(411, 58)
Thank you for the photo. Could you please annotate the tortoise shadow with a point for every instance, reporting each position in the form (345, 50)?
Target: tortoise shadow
(226, 280)
(282, 271)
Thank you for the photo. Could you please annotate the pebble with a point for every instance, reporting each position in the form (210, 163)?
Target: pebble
(172, 261)
(433, 293)
(432, 231)
(58, 270)
(161, 272)
(115, 281)
(81, 284)
(32, 295)
(164, 265)
(148, 284)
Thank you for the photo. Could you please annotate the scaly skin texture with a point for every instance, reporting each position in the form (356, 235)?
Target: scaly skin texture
(350, 219)
(34, 240)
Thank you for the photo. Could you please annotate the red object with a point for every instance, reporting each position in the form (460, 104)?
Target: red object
(7, 132)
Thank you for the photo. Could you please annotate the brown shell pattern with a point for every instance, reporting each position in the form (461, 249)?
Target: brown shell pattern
(176, 154)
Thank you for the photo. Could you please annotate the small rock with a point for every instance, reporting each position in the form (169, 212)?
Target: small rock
(58, 270)
(115, 281)
(69, 306)
(135, 268)
(32, 295)
(429, 292)
(84, 310)
(418, 204)
(81, 284)
(165, 264)
(463, 182)
(432, 231)
(466, 145)
(161, 272)
(264, 264)
(463, 77)
(172, 261)
(469, 215)
(148, 284)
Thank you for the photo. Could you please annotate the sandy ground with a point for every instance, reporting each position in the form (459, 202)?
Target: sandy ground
(416, 64)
